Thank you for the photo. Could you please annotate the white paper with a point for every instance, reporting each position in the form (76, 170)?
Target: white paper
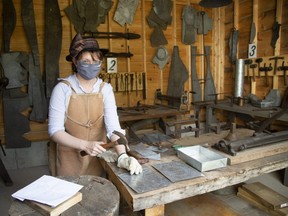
(48, 190)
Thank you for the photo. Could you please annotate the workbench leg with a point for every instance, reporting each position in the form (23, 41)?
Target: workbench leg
(209, 116)
(4, 174)
(155, 211)
(285, 180)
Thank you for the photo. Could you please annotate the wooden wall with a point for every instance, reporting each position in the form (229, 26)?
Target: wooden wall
(239, 15)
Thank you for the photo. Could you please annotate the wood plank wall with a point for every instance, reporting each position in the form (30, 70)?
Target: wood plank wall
(222, 70)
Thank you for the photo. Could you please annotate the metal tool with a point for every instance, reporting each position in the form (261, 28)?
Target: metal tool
(144, 85)
(284, 68)
(117, 82)
(209, 88)
(248, 62)
(258, 61)
(121, 141)
(266, 70)
(253, 66)
(136, 77)
(127, 35)
(196, 88)
(131, 81)
(232, 147)
(126, 82)
(276, 58)
(9, 23)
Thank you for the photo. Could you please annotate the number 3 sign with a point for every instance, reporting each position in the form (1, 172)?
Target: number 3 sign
(252, 52)
(111, 65)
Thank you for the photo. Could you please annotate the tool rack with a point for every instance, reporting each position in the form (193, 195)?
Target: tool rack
(274, 70)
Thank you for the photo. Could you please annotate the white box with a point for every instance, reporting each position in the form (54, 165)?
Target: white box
(201, 158)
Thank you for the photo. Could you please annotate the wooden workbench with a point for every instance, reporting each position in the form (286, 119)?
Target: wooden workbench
(153, 202)
(247, 109)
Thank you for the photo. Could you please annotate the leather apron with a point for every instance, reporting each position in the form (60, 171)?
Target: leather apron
(84, 120)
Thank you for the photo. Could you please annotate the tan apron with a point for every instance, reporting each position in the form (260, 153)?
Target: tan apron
(84, 120)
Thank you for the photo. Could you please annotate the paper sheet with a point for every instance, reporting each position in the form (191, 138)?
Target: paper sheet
(48, 190)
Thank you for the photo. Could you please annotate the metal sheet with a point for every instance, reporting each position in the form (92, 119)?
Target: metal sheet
(177, 171)
(148, 180)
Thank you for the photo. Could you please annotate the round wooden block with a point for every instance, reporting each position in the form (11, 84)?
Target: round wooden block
(99, 197)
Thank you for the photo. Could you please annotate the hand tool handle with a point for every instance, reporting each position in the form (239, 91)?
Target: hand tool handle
(105, 146)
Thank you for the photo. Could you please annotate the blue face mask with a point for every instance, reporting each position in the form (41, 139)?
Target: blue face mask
(88, 71)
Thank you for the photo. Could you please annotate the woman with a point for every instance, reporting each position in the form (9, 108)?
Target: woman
(82, 113)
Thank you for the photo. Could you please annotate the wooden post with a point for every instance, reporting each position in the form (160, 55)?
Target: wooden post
(279, 8)
(255, 21)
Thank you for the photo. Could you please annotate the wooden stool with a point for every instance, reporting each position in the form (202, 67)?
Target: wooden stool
(99, 197)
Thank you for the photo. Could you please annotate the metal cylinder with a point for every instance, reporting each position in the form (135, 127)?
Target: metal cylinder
(239, 78)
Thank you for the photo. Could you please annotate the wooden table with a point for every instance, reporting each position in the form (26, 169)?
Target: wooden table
(247, 109)
(146, 112)
(153, 202)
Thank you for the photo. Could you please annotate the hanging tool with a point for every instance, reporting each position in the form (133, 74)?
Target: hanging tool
(122, 82)
(258, 61)
(127, 35)
(117, 55)
(131, 81)
(209, 89)
(276, 58)
(248, 62)
(136, 78)
(126, 82)
(9, 23)
(266, 70)
(253, 66)
(117, 82)
(233, 41)
(196, 88)
(144, 85)
(284, 68)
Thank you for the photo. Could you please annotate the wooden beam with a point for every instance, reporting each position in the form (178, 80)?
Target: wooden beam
(155, 211)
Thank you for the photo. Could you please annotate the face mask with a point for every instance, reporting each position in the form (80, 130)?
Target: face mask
(88, 71)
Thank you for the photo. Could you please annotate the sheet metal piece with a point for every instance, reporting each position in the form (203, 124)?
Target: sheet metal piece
(9, 23)
(233, 41)
(36, 88)
(177, 171)
(252, 33)
(12, 63)
(209, 88)
(148, 180)
(53, 43)
(145, 152)
(177, 77)
(15, 124)
(196, 88)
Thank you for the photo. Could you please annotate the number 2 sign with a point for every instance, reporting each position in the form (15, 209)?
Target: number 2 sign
(111, 65)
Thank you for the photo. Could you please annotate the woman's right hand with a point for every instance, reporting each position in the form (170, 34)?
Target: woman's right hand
(94, 148)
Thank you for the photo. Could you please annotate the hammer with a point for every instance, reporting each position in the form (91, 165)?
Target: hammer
(121, 141)
(275, 63)
(258, 61)
(284, 68)
(248, 62)
(253, 66)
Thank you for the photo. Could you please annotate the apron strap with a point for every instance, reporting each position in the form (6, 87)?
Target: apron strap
(69, 84)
